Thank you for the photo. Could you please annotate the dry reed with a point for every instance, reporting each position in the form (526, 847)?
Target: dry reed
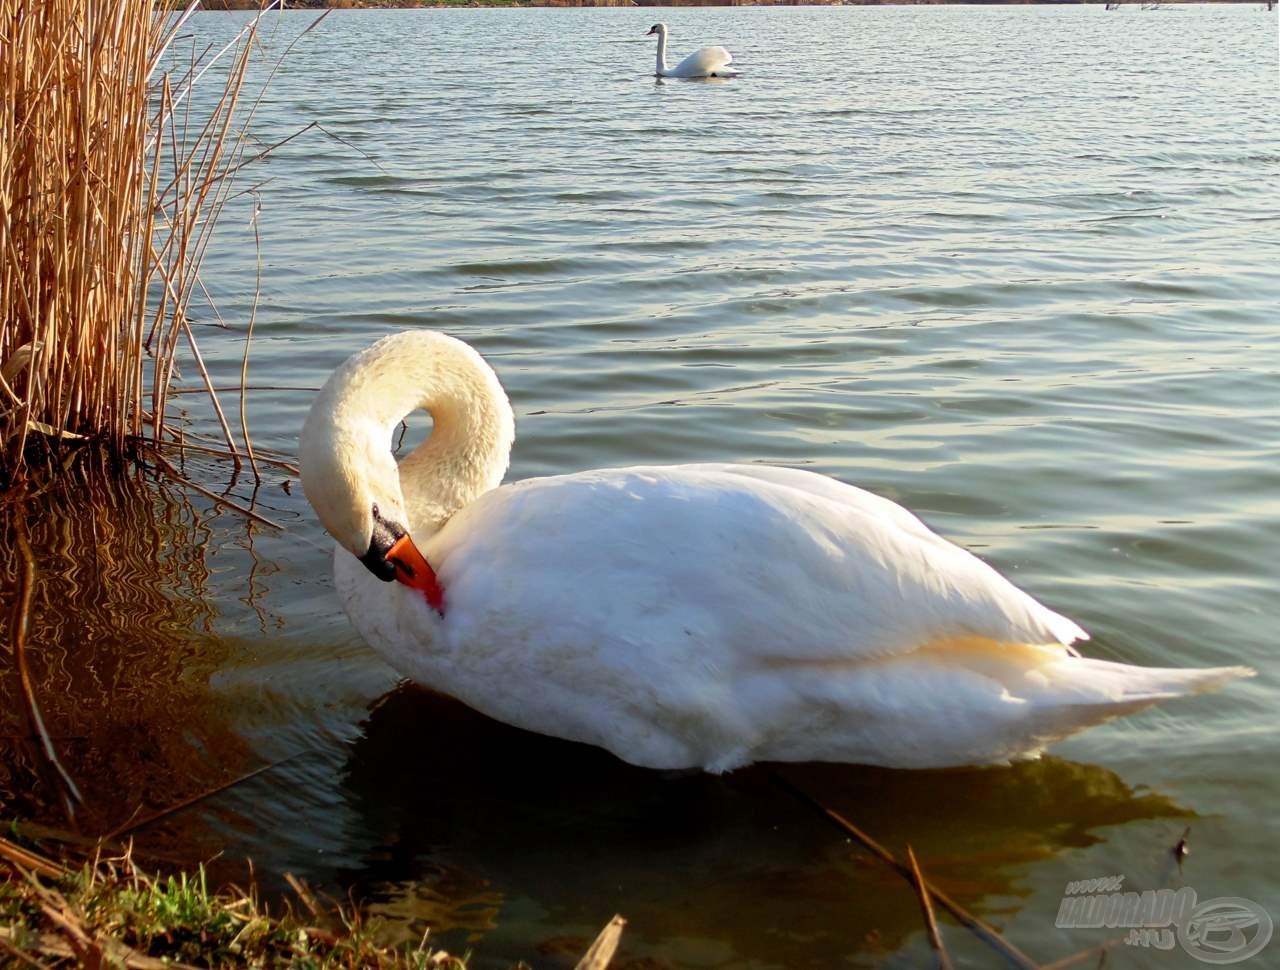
(110, 184)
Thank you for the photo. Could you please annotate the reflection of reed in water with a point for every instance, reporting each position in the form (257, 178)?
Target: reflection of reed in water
(120, 651)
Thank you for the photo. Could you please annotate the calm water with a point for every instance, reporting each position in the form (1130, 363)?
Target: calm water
(1015, 268)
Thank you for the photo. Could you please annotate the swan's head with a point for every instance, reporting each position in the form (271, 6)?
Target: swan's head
(349, 474)
(353, 485)
(659, 29)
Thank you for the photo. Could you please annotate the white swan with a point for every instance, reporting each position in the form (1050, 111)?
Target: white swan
(707, 62)
(684, 616)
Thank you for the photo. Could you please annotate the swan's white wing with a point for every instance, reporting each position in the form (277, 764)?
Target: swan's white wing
(772, 565)
(1032, 621)
(703, 62)
(837, 491)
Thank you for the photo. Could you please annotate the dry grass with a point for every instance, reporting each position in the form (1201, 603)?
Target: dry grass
(110, 185)
(110, 913)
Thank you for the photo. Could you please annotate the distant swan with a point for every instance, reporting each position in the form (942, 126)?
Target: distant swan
(681, 616)
(708, 62)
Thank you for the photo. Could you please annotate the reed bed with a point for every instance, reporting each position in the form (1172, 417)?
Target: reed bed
(110, 185)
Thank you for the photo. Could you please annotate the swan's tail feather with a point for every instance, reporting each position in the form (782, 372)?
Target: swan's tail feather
(976, 702)
(1088, 681)
(1081, 692)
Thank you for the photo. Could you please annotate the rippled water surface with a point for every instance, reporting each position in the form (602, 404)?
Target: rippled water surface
(1013, 267)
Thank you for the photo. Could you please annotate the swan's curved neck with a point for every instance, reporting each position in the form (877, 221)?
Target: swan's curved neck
(472, 431)
(661, 66)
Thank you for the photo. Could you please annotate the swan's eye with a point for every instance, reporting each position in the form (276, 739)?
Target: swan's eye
(385, 535)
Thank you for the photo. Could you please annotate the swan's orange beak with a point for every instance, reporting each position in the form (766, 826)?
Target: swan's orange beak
(414, 571)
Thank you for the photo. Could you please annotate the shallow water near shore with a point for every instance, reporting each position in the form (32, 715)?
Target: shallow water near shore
(1012, 267)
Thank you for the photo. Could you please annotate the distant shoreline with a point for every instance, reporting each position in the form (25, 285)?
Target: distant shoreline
(218, 5)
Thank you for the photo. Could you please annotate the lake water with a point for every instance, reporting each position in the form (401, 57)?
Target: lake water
(1013, 267)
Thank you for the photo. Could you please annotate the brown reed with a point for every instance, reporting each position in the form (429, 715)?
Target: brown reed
(110, 184)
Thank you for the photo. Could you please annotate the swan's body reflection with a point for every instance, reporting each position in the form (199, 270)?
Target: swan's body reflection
(506, 841)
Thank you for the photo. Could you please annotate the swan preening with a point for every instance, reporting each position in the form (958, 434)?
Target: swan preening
(683, 616)
(707, 62)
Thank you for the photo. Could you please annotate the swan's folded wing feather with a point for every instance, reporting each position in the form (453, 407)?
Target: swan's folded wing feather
(765, 566)
(839, 492)
(704, 61)
(998, 610)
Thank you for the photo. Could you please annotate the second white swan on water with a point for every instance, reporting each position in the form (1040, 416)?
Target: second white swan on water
(687, 616)
(707, 62)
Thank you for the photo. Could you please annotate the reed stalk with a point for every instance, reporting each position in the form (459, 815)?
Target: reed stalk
(110, 185)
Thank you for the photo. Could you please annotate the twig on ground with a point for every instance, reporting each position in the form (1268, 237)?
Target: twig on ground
(13, 951)
(600, 953)
(303, 892)
(28, 860)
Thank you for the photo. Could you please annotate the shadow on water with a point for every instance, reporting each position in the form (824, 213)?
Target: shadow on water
(475, 829)
(121, 648)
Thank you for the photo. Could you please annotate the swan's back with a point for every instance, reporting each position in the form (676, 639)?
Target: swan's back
(704, 63)
(786, 565)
